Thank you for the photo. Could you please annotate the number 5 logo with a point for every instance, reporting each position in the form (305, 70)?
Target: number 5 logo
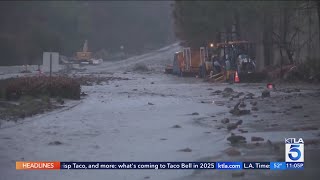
(294, 149)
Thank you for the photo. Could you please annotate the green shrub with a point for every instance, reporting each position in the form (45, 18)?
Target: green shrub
(26, 98)
(45, 99)
(59, 100)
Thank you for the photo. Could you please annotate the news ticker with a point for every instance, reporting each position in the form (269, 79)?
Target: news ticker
(23, 165)
(294, 157)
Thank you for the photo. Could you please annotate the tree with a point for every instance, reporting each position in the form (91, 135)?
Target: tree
(197, 21)
(318, 11)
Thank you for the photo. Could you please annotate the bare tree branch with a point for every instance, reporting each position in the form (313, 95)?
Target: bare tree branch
(277, 35)
(308, 40)
(293, 36)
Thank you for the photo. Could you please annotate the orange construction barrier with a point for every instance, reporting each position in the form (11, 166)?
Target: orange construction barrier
(236, 78)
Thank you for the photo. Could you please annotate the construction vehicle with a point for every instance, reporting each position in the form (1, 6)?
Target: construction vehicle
(200, 62)
(190, 62)
(185, 63)
(242, 54)
(80, 58)
(84, 56)
(238, 53)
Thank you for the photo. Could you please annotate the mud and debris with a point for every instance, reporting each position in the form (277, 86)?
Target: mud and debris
(91, 79)
(238, 174)
(189, 120)
(225, 121)
(185, 150)
(236, 139)
(254, 138)
(239, 112)
(265, 93)
(176, 126)
(55, 143)
(232, 152)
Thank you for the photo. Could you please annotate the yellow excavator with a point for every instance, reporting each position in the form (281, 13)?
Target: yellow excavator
(85, 55)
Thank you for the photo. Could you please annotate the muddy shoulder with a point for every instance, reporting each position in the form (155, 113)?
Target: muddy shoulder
(257, 125)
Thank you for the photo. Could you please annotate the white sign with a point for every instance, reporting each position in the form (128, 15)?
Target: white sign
(54, 62)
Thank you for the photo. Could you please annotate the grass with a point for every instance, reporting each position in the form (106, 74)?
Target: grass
(26, 106)
(27, 96)
(59, 100)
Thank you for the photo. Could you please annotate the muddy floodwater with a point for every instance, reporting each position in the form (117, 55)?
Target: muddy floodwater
(159, 117)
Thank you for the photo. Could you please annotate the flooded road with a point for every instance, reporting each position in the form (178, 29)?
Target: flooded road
(155, 117)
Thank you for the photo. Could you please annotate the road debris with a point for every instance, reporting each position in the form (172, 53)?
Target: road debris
(185, 150)
(228, 90)
(232, 152)
(239, 122)
(55, 143)
(237, 112)
(254, 108)
(217, 92)
(225, 121)
(296, 107)
(249, 96)
(235, 139)
(176, 126)
(242, 131)
(253, 103)
(265, 93)
(242, 104)
(232, 126)
(254, 138)
(238, 174)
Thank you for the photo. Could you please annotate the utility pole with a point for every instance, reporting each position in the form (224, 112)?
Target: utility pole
(309, 29)
(318, 11)
(50, 64)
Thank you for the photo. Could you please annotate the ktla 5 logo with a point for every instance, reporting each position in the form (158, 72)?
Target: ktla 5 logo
(294, 150)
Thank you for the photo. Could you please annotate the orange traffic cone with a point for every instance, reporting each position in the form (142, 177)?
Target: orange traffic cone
(236, 78)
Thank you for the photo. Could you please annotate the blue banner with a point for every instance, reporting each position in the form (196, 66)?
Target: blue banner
(182, 165)
(229, 165)
(294, 165)
(256, 165)
(137, 165)
(277, 165)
